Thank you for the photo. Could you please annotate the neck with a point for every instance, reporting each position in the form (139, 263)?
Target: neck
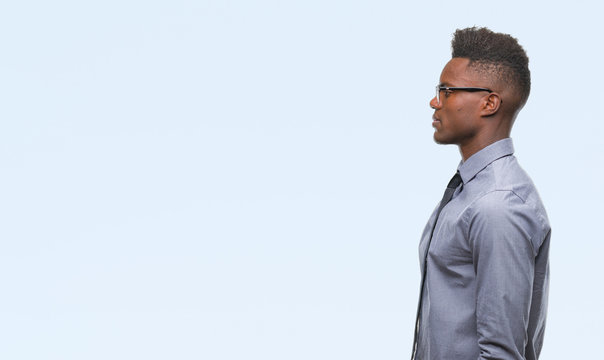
(467, 150)
(495, 130)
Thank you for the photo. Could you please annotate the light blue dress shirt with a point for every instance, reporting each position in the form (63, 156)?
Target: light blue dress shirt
(487, 276)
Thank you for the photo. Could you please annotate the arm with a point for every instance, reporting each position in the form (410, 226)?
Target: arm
(501, 229)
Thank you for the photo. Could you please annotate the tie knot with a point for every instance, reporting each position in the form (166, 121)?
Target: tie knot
(455, 181)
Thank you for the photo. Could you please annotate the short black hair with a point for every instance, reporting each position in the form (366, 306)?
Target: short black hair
(499, 54)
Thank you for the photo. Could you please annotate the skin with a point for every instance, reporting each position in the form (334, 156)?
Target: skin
(473, 120)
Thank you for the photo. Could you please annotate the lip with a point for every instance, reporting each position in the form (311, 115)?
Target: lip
(435, 121)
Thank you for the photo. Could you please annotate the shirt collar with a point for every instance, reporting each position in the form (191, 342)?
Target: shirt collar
(469, 168)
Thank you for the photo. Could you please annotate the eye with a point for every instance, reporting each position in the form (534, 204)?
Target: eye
(448, 92)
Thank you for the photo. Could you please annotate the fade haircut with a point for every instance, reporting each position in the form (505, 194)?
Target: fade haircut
(497, 54)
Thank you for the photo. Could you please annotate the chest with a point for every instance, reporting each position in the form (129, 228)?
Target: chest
(449, 246)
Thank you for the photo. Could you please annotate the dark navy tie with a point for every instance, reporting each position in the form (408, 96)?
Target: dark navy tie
(453, 184)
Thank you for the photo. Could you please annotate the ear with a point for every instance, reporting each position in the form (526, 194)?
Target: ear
(491, 104)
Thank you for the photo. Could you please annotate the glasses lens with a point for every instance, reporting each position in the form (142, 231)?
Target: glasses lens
(437, 94)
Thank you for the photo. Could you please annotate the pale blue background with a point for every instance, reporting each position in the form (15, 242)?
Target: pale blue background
(249, 179)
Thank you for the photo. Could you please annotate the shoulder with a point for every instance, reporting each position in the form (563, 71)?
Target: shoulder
(503, 186)
(506, 215)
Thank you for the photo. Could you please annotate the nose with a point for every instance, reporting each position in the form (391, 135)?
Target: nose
(434, 103)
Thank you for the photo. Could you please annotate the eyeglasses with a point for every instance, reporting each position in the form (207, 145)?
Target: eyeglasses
(440, 88)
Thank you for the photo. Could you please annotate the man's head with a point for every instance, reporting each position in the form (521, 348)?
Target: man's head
(482, 89)
(497, 56)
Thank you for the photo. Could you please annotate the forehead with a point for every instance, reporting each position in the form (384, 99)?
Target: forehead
(456, 73)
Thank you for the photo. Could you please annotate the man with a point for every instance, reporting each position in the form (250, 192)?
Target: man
(484, 251)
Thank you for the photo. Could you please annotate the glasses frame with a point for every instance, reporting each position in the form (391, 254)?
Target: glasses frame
(440, 88)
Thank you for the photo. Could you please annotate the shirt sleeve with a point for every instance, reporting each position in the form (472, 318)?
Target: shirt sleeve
(501, 233)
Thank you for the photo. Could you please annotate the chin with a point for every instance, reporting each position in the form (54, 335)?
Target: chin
(440, 140)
